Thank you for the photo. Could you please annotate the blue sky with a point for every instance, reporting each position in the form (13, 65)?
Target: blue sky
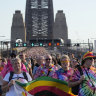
(80, 17)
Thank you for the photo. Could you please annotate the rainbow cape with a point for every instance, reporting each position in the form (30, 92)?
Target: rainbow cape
(47, 86)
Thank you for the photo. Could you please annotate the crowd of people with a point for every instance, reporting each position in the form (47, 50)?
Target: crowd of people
(80, 74)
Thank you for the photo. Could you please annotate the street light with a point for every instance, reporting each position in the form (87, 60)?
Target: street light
(92, 44)
(94, 49)
(1, 45)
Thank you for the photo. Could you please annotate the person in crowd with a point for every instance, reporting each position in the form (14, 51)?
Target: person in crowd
(74, 63)
(85, 76)
(46, 69)
(22, 56)
(32, 62)
(40, 60)
(29, 68)
(11, 77)
(54, 61)
(7, 68)
(71, 56)
(4, 62)
(79, 55)
(58, 56)
(36, 51)
(1, 67)
(0, 90)
(65, 71)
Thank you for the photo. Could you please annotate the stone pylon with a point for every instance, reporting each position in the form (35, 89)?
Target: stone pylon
(39, 19)
(60, 30)
(18, 28)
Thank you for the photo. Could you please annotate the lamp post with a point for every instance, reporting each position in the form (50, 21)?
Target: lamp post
(88, 44)
(91, 44)
(94, 44)
(1, 42)
(6, 43)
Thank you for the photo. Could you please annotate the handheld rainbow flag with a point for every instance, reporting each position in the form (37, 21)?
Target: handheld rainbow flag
(47, 86)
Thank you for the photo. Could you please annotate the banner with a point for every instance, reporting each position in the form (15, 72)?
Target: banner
(19, 91)
(46, 86)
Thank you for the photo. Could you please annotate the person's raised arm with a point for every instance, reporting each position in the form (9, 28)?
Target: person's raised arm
(72, 84)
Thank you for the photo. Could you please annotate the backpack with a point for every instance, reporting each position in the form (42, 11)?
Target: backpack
(75, 89)
(12, 73)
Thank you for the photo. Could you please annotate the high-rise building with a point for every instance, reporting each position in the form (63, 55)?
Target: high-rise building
(60, 30)
(39, 19)
(18, 28)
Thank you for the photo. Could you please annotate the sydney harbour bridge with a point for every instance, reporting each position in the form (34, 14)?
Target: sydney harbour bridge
(40, 29)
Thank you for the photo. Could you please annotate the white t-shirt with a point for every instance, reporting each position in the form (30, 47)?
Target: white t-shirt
(11, 91)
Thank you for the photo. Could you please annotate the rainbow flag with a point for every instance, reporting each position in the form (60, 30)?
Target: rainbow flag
(47, 86)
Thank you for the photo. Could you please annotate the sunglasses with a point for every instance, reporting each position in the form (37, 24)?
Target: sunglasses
(66, 61)
(48, 59)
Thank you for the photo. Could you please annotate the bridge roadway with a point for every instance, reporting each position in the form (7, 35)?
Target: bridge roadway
(50, 50)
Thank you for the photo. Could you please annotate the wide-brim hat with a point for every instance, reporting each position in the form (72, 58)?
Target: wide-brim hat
(88, 55)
